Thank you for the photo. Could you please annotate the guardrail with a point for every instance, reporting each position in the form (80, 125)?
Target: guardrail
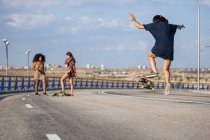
(22, 84)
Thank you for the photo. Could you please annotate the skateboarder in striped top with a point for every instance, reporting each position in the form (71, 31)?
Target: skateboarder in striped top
(163, 32)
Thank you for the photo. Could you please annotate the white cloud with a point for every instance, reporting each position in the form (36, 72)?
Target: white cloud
(29, 21)
(85, 20)
(206, 2)
(114, 23)
(69, 3)
(141, 45)
(29, 3)
(79, 3)
(118, 47)
(68, 19)
(87, 23)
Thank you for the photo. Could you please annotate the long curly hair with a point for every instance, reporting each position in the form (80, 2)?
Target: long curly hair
(36, 57)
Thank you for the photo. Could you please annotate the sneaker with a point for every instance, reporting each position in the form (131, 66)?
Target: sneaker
(168, 89)
(152, 75)
(55, 94)
(44, 93)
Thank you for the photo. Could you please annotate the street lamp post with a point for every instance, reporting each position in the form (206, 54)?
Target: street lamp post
(6, 45)
(28, 52)
(198, 44)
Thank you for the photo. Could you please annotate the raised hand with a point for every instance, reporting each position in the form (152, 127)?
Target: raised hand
(180, 26)
(131, 16)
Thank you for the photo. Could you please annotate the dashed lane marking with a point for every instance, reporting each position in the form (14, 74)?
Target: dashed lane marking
(29, 106)
(53, 137)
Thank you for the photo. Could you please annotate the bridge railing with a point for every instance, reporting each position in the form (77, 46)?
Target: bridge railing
(22, 84)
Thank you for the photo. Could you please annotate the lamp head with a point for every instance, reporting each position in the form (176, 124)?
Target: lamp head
(4, 40)
(7, 43)
(28, 51)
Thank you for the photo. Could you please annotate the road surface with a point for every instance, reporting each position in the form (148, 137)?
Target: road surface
(105, 115)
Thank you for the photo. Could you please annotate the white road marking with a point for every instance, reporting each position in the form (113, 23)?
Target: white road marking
(28, 106)
(53, 137)
(165, 99)
(23, 99)
(5, 99)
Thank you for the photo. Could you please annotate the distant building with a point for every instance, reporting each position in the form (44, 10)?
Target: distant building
(88, 66)
(102, 67)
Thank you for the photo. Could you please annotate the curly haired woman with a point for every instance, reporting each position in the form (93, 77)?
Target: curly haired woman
(39, 72)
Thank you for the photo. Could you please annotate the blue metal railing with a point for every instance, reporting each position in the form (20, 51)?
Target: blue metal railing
(22, 84)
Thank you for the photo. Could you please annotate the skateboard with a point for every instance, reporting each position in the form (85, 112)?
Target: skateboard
(57, 94)
(147, 84)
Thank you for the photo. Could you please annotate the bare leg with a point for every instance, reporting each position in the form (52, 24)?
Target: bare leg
(151, 58)
(37, 87)
(65, 76)
(71, 84)
(44, 85)
(166, 70)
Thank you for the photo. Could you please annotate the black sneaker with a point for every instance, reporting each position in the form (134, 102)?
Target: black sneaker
(67, 94)
(55, 94)
(45, 93)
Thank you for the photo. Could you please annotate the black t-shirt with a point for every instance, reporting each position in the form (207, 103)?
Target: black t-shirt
(164, 39)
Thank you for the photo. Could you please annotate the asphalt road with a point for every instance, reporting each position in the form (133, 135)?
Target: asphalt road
(105, 115)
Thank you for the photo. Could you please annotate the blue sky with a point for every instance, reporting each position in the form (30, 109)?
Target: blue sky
(99, 31)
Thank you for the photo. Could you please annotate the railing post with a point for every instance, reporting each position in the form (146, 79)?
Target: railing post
(107, 84)
(40, 84)
(75, 84)
(122, 86)
(157, 85)
(59, 83)
(16, 84)
(29, 83)
(9, 83)
(53, 83)
(47, 83)
(133, 85)
(65, 84)
(80, 86)
(91, 84)
(163, 86)
(86, 84)
(102, 84)
(127, 86)
(117, 85)
(34, 84)
(137, 85)
(2, 84)
(182, 86)
(22, 87)
(97, 84)
(112, 86)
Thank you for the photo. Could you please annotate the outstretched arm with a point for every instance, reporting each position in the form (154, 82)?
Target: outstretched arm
(136, 23)
(180, 26)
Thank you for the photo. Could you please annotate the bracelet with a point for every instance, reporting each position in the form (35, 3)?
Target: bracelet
(133, 19)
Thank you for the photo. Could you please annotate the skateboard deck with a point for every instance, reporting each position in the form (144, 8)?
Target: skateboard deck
(57, 94)
(147, 84)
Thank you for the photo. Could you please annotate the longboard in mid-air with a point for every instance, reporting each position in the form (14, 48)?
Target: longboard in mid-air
(148, 84)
